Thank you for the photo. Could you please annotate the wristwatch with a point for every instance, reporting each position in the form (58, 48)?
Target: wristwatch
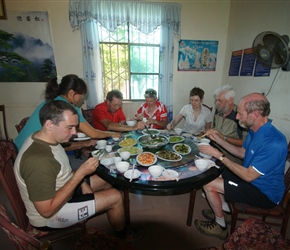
(221, 158)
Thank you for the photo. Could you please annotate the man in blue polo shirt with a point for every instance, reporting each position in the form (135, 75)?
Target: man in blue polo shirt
(259, 181)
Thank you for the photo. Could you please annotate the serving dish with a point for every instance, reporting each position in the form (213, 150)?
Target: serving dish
(148, 143)
(153, 131)
(133, 150)
(181, 148)
(146, 159)
(176, 139)
(128, 142)
(166, 155)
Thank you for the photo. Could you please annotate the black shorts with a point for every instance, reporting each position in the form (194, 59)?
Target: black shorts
(238, 190)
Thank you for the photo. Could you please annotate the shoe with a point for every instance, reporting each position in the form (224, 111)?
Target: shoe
(203, 195)
(134, 235)
(211, 228)
(209, 215)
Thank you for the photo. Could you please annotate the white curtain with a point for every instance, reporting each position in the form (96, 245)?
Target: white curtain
(84, 15)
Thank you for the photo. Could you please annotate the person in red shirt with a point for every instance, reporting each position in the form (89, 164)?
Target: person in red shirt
(109, 114)
(153, 111)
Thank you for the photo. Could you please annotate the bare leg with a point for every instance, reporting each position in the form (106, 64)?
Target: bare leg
(111, 201)
(98, 184)
(214, 191)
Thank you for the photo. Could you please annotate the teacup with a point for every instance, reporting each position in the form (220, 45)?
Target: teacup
(109, 148)
(117, 159)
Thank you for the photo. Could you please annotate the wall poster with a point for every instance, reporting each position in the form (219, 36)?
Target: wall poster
(197, 55)
(248, 62)
(26, 52)
(235, 63)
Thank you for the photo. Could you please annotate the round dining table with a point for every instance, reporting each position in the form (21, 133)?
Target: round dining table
(189, 180)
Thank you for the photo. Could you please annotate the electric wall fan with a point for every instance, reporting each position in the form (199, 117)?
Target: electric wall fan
(272, 50)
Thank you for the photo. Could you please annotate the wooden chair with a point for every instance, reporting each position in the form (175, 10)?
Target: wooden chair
(281, 211)
(92, 239)
(88, 115)
(22, 123)
(8, 153)
(20, 238)
(210, 108)
(2, 110)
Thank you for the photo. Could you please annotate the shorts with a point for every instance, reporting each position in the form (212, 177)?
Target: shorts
(78, 208)
(238, 190)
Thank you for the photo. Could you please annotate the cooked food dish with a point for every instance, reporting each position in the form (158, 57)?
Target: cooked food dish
(146, 159)
(175, 139)
(132, 150)
(127, 142)
(168, 155)
(147, 142)
(182, 148)
(152, 131)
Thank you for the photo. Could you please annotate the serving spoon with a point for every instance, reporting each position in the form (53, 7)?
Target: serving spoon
(151, 135)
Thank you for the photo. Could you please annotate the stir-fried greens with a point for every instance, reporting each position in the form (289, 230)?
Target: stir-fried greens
(168, 155)
(182, 148)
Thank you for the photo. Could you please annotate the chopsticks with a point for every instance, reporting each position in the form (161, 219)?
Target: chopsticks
(203, 136)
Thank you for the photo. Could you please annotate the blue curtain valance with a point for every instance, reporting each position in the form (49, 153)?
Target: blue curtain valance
(143, 15)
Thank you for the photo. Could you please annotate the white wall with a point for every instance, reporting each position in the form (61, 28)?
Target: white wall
(247, 20)
(234, 25)
(199, 20)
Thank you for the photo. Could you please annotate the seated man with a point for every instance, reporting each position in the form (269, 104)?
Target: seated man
(225, 124)
(109, 114)
(260, 180)
(53, 195)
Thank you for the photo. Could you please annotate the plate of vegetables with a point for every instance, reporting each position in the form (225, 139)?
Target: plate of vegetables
(166, 155)
(176, 139)
(132, 150)
(182, 148)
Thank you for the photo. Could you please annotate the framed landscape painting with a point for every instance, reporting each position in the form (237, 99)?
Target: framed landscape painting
(2, 10)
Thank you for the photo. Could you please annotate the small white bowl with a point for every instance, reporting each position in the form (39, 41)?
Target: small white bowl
(201, 164)
(136, 174)
(155, 170)
(107, 161)
(115, 138)
(205, 140)
(117, 159)
(125, 155)
(94, 153)
(178, 131)
(122, 166)
(204, 155)
(101, 144)
(81, 135)
(131, 123)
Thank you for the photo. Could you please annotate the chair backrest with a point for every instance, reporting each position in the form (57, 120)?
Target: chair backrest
(8, 153)
(88, 115)
(287, 184)
(20, 238)
(22, 123)
(210, 108)
(2, 110)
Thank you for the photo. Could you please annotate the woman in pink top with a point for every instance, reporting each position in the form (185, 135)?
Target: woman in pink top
(153, 111)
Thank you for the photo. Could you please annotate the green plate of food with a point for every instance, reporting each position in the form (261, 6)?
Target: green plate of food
(182, 148)
(176, 139)
(132, 150)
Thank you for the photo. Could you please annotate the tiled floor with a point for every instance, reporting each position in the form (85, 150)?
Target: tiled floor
(162, 217)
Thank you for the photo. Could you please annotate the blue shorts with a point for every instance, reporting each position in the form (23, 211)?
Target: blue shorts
(238, 190)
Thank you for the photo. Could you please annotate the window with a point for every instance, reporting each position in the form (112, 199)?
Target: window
(130, 60)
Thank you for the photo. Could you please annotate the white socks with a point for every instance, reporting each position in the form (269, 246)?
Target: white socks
(225, 207)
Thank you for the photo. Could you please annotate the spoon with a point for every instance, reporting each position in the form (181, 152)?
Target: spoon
(151, 135)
